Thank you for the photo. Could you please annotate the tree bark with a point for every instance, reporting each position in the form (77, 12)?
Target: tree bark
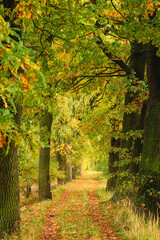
(9, 169)
(151, 148)
(112, 169)
(62, 164)
(44, 157)
(150, 163)
(133, 120)
(28, 189)
(138, 144)
(74, 171)
(9, 185)
(68, 171)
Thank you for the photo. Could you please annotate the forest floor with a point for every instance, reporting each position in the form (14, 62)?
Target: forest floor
(81, 210)
(79, 214)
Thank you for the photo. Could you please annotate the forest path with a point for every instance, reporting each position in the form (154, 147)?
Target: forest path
(77, 215)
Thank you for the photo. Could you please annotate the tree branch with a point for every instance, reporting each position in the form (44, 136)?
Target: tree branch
(118, 10)
(115, 59)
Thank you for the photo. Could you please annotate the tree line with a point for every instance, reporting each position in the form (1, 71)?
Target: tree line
(89, 72)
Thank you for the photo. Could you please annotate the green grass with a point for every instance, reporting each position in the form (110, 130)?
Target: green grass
(32, 217)
(126, 220)
(75, 220)
(75, 217)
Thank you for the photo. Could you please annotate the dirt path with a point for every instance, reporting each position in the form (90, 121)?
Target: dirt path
(77, 215)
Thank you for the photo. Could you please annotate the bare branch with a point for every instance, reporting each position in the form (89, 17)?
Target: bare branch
(115, 59)
(118, 10)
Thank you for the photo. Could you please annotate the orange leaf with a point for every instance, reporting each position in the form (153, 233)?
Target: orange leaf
(22, 66)
(2, 141)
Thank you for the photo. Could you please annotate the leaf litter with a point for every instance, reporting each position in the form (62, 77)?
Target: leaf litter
(77, 214)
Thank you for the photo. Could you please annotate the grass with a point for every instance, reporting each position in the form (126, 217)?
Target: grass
(32, 217)
(126, 219)
(75, 219)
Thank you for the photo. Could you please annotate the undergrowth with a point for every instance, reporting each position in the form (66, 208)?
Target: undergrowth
(125, 219)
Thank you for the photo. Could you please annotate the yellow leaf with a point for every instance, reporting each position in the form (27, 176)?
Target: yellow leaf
(29, 14)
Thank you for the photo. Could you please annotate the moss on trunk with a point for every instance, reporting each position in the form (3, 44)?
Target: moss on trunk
(9, 190)
(131, 121)
(9, 172)
(9, 185)
(150, 162)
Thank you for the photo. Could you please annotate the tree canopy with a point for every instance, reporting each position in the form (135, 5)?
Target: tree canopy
(87, 73)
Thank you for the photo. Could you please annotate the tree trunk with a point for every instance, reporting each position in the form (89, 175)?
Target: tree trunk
(28, 189)
(9, 185)
(68, 171)
(79, 170)
(44, 157)
(151, 149)
(112, 169)
(62, 164)
(150, 163)
(74, 171)
(138, 144)
(9, 171)
(133, 120)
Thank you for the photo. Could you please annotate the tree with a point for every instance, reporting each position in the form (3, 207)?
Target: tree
(147, 21)
(9, 185)
(133, 119)
(113, 158)
(149, 165)
(9, 180)
(44, 157)
(128, 21)
(16, 75)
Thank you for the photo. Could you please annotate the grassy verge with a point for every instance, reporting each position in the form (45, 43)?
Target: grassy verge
(32, 217)
(126, 220)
